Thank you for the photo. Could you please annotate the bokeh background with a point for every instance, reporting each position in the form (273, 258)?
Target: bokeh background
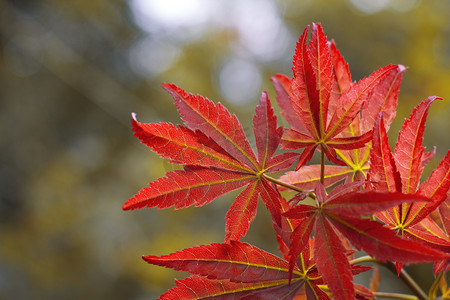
(71, 73)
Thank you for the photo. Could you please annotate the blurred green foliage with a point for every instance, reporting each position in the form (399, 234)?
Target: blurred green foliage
(71, 72)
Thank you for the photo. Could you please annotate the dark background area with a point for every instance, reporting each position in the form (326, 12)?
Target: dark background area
(71, 73)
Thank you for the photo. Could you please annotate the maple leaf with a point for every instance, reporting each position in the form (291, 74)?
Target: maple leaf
(244, 270)
(382, 98)
(309, 95)
(218, 159)
(401, 171)
(336, 215)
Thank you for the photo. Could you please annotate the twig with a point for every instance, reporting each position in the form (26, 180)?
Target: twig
(395, 296)
(404, 276)
(289, 186)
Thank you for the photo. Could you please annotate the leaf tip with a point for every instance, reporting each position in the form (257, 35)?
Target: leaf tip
(168, 85)
(173, 89)
(126, 206)
(435, 98)
(401, 68)
(147, 258)
(134, 121)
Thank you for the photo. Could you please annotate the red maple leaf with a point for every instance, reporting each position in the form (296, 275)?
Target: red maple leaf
(320, 115)
(246, 270)
(218, 159)
(382, 98)
(338, 215)
(243, 271)
(401, 171)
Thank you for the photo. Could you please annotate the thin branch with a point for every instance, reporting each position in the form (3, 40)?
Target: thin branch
(404, 276)
(395, 296)
(363, 259)
(434, 287)
(408, 280)
(310, 194)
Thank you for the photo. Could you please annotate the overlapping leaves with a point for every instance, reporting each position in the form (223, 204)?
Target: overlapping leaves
(341, 211)
(230, 270)
(382, 98)
(401, 171)
(324, 100)
(345, 120)
(242, 271)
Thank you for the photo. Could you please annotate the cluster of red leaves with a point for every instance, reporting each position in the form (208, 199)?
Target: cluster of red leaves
(381, 208)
